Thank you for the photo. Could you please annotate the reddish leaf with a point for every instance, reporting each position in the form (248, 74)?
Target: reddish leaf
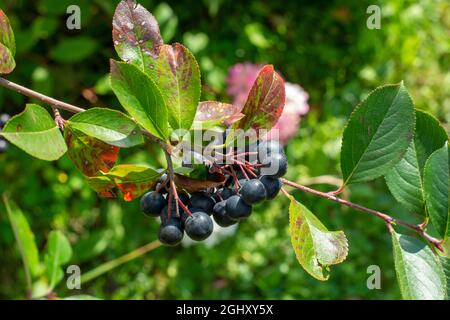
(265, 101)
(192, 185)
(133, 180)
(218, 113)
(7, 63)
(136, 34)
(90, 155)
(104, 186)
(6, 33)
(178, 76)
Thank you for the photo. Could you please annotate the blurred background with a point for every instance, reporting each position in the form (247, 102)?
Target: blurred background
(323, 46)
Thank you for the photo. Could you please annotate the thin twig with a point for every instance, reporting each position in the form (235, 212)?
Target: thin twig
(390, 221)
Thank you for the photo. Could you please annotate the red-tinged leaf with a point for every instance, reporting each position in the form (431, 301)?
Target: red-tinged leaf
(6, 33)
(136, 34)
(212, 113)
(103, 185)
(192, 185)
(90, 155)
(265, 101)
(7, 63)
(133, 180)
(178, 76)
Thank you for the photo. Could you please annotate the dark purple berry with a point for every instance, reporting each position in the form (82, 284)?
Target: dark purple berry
(152, 203)
(203, 201)
(237, 209)
(199, 226)
(253, 191)
(220, 215)
(272, 185)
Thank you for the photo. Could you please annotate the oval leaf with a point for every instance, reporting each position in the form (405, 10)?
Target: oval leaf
(140, 97)
(136, 35)
(7, 34)
(265, 102)
(212, 113)
(436, 187)
(90, 155)
(109, 126)
(405, 180)
(316, 248)
(133, 180)
(378, 134)
(419, 272)
(58, 253)
(35, 132)
(24, 237)
(178, 77)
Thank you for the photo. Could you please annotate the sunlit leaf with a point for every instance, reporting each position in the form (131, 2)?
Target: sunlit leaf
(316, 248)
(35, 132)
(136, 35)
(419, 273)
(109, 126)
(265, 101)
(212, 113)
(90, 155)
(6, 33)
(378, 134)
(178, 77)
(140, 97)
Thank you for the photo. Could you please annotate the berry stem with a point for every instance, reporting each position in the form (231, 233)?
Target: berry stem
(389, 220)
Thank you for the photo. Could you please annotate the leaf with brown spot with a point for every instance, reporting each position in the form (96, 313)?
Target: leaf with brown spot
(133, 180)
(212, 113)
(90, 155)
(315, 247)
(103, 185)
(265, 101)
(136, 35)
(192, 185)
(178, 77)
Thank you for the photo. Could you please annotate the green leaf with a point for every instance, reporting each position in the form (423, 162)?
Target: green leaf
(58, 253)
(25, 239)
(316, 248)
(445, 262)
(378, 134)
(265, 101)
(133, 180)
(436, 187)
(140, 97)
(178, 77)
(35, 132)
(7, 34)
(109, 126)
(90, 155)
(136, 35)
(74, 49)
(419, 273)
(405, 180)
(7, 62)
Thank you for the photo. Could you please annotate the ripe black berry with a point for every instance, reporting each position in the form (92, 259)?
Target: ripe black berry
(225, 193)
(221, 216)
(203, 201)
(237, 209)
(170, 234)
(152, 203)
(165, 214)
(199, 226)
(276, 166)
(268, 148)
(272, 186)
(253, 191)
(184, 198)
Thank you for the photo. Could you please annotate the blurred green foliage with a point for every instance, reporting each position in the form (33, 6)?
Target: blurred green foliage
(323, 45)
